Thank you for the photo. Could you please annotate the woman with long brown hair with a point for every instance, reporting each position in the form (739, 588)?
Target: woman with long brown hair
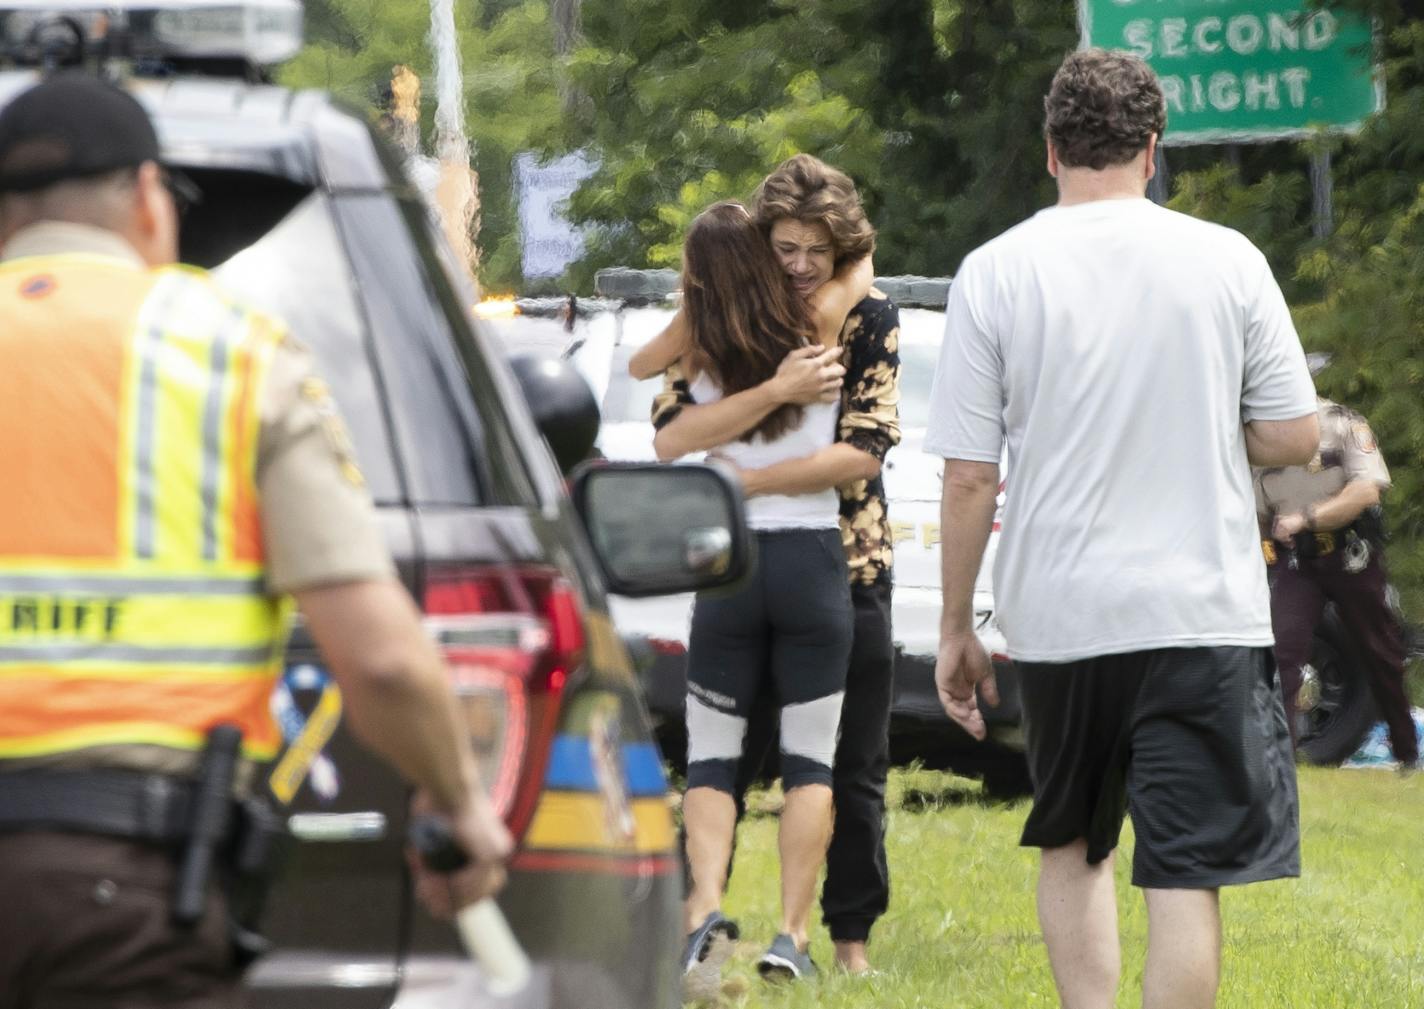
(792, 622)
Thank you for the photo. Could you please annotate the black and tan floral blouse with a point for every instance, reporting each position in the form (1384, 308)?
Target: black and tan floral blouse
(869, 420)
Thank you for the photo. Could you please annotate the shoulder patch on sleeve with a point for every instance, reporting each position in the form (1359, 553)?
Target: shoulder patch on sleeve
(1364, 437)
(316, 392)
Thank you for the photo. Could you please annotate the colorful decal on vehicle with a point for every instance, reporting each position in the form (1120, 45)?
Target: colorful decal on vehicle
(605, 739)
(604, 809)
(306, 736)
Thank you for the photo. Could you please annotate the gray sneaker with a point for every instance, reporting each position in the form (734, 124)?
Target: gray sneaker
(708, 947)
(782, 961)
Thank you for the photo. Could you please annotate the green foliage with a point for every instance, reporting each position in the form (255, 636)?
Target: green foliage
(511, 91)
(697, 101)
(934, 108)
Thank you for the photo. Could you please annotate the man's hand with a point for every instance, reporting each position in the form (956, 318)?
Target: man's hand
(809, 375)
(1287, 526)
(750, 479)
(963, 665)
(480, 833)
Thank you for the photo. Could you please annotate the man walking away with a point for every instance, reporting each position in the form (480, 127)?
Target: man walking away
(1135, 360)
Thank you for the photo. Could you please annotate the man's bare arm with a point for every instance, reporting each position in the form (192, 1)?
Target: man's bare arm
(1283, 442)
(808, 374)
(962, 668)
(967, 504)
(397, 695)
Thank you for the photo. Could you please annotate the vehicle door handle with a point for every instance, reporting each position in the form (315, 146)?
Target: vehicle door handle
(337, 828)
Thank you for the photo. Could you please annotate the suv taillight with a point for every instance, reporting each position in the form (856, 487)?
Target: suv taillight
(512, 635)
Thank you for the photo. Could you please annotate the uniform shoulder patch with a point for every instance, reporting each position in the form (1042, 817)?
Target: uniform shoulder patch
(1364, 437)
(316, 392)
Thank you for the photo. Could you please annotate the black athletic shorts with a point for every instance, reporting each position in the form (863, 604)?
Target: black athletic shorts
(1191, 742)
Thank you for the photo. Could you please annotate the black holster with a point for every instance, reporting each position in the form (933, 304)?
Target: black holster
(239, 845)
(1370, 527)
(257, 853)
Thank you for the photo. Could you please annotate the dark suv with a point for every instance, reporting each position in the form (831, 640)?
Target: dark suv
(306, 213)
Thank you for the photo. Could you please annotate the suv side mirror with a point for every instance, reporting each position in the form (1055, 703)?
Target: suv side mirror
(562, 404)
(660, 530)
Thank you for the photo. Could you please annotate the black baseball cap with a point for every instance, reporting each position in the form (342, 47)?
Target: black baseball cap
(73, 126)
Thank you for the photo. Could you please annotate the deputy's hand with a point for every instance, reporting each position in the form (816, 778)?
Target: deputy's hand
(1287, 526)
(962, 666)
(481, 834)
(809, 375)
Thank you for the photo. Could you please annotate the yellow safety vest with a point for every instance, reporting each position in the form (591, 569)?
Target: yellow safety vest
(132, 601)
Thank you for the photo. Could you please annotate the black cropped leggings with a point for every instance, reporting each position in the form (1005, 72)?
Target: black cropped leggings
(791, 622)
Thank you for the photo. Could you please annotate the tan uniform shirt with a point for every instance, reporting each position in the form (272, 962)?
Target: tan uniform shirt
(318, 524)
(1348, 452)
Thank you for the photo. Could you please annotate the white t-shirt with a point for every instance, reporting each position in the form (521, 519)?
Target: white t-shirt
(770, 512)
(1118, 347)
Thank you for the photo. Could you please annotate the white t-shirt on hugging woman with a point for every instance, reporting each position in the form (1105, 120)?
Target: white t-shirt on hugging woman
(817, 430)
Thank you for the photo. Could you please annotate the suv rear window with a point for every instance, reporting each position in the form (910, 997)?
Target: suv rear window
(298, 272)
(431, 410)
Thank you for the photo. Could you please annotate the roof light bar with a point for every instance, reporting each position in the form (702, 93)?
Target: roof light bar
(261, 32)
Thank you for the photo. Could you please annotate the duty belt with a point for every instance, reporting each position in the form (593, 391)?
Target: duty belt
(127, 804)
(1305, 545)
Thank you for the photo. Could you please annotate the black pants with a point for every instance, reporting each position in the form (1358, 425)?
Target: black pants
(84, 924)
(857, 888)
(1298, 597)
(788, 628)
(1192, 742)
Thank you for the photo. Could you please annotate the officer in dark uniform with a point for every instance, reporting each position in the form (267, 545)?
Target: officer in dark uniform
(1323, 540)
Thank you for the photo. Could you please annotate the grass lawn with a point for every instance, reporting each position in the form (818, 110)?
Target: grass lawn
(962, 930)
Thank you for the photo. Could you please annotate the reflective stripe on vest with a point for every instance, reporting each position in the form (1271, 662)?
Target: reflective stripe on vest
(132, 602)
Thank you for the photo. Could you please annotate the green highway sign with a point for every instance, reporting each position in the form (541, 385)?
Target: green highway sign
(1245, 69)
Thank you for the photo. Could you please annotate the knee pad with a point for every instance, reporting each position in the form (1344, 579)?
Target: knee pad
(808, 740)
(714, 746)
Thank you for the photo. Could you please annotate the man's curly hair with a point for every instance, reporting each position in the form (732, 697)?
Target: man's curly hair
(805, 188)
(1101, 108)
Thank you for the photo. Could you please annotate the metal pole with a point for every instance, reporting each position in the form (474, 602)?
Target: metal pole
(1322, 194)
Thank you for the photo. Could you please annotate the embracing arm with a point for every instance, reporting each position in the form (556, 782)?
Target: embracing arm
(830, 305)
(833, 300)
(830, 467)
(700, 427)
(807, 375)
(659, 353)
